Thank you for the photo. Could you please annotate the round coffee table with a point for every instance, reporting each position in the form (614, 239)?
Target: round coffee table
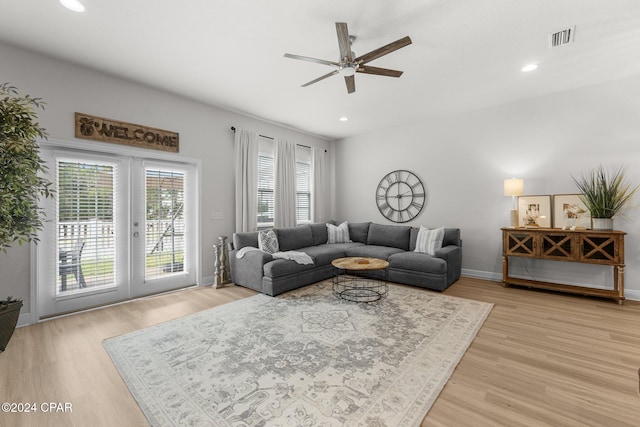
(360, 279)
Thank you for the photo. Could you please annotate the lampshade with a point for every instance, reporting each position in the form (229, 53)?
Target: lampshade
(513, 187)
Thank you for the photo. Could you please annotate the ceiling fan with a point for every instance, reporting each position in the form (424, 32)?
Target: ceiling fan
(348, 65)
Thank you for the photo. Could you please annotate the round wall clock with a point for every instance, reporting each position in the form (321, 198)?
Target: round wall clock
(400, 196)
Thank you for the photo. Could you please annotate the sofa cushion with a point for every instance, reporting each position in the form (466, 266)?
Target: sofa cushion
(338, 234)
(413, 236)
(324, 254)
(294, 238)
(452, 237)
(429, 240)
(372, 251)
(342, 247)
(394, 236)
(359, 231)
(268, 241)
(416, 261)
(319, 233)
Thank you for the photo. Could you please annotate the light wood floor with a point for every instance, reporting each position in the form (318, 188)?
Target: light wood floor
(541, 359)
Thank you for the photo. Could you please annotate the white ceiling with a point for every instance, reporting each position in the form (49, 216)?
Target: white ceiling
(465, 54)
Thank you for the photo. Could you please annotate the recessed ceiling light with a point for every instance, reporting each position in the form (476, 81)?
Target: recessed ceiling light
(343, 119)
(529, 67)
(73, 5)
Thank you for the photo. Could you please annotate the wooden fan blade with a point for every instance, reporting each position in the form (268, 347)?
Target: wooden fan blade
(367, 69)
(384, 50)
(351, 83)
(306, 58)
(321, 78)
(343, 41)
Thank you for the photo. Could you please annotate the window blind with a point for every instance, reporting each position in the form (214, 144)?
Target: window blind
(164, 223)
(86, 224)
(266, 201)
(303, 192)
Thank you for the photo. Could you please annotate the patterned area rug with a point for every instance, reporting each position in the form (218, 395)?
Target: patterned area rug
(305, 358)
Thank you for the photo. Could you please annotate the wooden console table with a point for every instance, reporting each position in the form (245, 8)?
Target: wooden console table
(585, 246)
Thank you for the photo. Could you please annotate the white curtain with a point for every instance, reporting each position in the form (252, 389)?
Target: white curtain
(246, 180)
(318, 191)
(285, 184)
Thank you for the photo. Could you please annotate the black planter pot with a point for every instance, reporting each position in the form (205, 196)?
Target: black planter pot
(9, 314)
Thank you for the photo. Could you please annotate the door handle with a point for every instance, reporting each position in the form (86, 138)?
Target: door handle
(136, 234)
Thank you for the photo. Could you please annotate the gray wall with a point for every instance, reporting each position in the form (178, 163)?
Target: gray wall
(204, 134)
(464, 159)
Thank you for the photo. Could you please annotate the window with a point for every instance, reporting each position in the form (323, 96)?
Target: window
(303, 192)
(265, 190)
(266, 187)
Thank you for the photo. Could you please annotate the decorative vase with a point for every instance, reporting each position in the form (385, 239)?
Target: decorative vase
(602, 223)
(9, 314)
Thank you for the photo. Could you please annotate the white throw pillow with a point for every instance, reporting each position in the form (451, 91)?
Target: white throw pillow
(338, 233)
(268, 241)
(429, 241)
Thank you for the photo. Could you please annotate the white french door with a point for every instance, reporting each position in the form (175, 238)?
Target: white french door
(119, 227)
(163, 227)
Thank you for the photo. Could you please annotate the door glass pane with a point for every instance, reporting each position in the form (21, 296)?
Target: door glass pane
(164, 225)
(86, 225)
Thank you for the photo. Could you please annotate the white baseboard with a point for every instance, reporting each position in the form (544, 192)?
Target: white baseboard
(630, 294)
(208, 280)
(486, 275)
(24, 320)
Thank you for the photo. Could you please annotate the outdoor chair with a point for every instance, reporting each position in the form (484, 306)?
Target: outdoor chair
(70, 263)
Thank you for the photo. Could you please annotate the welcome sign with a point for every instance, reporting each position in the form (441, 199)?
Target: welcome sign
(106, 130)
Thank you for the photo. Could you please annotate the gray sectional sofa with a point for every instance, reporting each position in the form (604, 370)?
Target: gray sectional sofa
(258, 270)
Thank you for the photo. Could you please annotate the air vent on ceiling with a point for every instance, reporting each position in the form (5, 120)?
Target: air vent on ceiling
(562, 37)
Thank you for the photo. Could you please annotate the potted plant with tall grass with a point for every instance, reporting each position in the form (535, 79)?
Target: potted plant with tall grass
(605, 193)
(21, 184)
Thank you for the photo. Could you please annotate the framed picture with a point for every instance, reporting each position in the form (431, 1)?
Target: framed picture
(570, 211)
(534, 211)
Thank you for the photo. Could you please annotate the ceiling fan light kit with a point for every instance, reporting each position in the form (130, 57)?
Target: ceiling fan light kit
(348, 65)
(349, 69)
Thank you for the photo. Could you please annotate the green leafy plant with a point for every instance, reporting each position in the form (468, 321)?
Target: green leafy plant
(21, 169)
(605, 192)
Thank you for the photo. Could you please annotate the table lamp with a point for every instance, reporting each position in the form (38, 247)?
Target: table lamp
(514, 187)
